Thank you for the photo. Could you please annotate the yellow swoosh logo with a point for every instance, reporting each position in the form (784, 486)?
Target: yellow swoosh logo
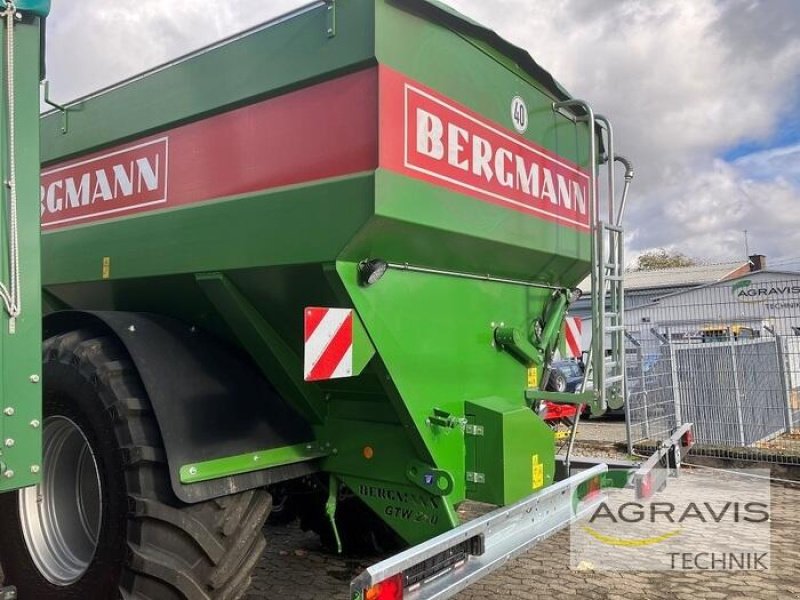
(630, 543)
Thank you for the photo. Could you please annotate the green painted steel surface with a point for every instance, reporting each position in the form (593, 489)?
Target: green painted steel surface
(513, 456)
(244, 265)
(466, 69)
(20, 351)
(252, 461)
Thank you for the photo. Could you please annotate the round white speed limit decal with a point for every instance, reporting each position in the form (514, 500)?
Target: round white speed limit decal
(519, 114)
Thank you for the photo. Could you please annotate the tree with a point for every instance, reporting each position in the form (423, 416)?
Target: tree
(662, 259)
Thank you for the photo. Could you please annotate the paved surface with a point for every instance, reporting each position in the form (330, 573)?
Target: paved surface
(294, 566)
(606, 430)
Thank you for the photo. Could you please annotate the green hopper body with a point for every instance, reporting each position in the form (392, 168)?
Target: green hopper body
(253, 177)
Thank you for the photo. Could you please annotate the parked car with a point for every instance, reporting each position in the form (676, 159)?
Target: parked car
(566, 376)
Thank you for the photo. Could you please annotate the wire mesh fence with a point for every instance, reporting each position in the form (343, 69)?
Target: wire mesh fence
(724, 357)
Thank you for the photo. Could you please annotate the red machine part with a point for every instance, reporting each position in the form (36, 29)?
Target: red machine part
(551, 411)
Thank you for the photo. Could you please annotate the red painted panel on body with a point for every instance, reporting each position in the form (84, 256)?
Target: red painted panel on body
(325, 130)
(428, 136)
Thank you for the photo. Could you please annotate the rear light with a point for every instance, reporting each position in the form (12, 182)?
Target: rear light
(388, 589)
(392, 588)
(687, 439)
(593, 487)
(645, 487)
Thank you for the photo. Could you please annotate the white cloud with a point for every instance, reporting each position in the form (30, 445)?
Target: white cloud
(683, 81)
(705, 214)
(779, 164)
(95, 43)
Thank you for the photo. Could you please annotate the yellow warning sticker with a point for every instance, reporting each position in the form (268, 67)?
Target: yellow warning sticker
(533, 377)
(537, 472)
(106, 267)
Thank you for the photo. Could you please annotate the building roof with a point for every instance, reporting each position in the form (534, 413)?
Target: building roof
(679, 277)
(728, 281)
(684, 276)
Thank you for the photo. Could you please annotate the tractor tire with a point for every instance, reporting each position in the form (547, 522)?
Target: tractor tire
(114, 528)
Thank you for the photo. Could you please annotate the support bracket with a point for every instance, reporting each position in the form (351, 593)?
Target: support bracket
(514, 342)
(251, 461)
(330, 18)
(434, 481)
(59, 107)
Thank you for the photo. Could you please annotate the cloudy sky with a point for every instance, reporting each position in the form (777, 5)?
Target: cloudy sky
(704, 95)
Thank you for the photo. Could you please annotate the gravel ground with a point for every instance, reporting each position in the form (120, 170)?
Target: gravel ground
(295, 566)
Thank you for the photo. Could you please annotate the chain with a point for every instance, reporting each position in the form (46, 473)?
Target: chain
(11, 293)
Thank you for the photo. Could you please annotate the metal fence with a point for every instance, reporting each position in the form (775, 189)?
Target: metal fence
(724, 357)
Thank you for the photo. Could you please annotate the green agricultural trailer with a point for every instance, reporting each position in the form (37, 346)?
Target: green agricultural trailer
(320, 268)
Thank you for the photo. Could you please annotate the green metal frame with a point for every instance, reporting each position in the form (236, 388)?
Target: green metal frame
(20, 344)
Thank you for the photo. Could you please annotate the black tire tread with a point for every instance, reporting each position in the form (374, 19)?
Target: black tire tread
(240, 546)
(145, 508)
(203, 551)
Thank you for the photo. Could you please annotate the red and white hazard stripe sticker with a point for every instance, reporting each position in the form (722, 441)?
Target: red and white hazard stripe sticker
(572, 336)
(328, 350)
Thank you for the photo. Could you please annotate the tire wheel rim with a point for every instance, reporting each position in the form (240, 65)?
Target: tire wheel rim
(61, 516)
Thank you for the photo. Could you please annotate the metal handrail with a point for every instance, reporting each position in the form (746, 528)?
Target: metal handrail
(596, 259)
(610, 159)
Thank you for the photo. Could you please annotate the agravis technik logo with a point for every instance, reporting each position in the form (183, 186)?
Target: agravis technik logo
(697, 522)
